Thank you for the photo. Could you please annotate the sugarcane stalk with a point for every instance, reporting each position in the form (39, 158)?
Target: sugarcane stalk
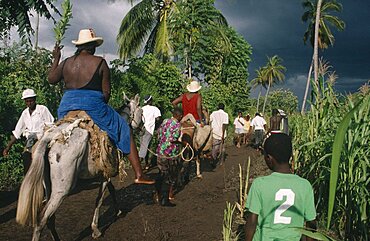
(62, 25)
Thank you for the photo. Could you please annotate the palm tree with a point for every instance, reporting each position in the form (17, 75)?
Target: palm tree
(146, 22)
(259, 81)
(273, 72)
(318, 16)
(193, 27)
(18, 14)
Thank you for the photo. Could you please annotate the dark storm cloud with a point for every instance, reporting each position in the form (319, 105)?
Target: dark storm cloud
(275, 27)
(272, 27)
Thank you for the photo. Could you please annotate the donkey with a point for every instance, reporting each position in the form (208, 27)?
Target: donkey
(58, 174)
(131, 111)
(198, 138)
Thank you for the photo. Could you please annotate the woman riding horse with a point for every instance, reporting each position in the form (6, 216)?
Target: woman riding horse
(87, 82)
(191, 101)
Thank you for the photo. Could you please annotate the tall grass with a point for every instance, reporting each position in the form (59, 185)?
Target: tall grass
(227, 232)
(243, 187)
(314, 135)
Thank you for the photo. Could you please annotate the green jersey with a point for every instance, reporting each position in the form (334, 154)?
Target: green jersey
(282, 203)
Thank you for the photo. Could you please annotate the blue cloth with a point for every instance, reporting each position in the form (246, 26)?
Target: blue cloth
(102, 114)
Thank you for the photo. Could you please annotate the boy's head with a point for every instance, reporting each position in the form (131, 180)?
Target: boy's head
(177, 113)
(274, 112)
(221, 106)
(277, 146)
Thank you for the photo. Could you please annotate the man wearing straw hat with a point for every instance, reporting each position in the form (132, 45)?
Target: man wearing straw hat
(31, 125)
(87, 82)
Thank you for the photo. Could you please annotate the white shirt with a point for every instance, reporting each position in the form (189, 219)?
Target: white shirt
(217, 119)
(238, 122)
(34, 123)
(258, 123)
(150, 113)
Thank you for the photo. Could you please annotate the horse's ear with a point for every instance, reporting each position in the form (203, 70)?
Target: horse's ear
(137, 98)
(125, 96)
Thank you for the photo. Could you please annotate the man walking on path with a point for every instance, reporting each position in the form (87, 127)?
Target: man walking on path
(259, 126)
(31, 125)
(151, 116)
(219, 120)
(239, 128)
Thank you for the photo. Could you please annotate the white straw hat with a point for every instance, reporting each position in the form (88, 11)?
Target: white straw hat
(194, 86)
(28, 93)
(87, 36)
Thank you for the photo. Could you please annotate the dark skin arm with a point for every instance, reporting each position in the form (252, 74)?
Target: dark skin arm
(199, 108)
(311, 225)
(176, 101)
(55, 72)
(10, 144)
(250, 226)
(224, 126)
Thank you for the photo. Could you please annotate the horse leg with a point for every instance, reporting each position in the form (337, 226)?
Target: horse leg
(49, 210)
(99, 200)
(197, 160)
(112, 192)
(51, 226)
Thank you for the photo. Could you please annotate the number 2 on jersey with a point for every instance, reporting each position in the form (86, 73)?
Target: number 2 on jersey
(289, 201)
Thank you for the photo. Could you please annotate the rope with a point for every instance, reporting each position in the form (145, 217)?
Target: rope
(180, 154)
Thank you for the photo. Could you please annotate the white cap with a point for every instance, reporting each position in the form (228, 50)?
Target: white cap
(28, 93)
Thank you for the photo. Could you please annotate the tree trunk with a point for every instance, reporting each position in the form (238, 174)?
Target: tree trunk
(258, 100)
(307, 87)
(264, 103)
(37, 32)
(316, 43)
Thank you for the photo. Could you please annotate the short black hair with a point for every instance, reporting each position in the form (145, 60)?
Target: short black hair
(221, 106)
(177, 111)
(279, 145)
(275, 111)
(89, 47)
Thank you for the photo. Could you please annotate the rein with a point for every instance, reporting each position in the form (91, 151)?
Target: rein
(180, 154)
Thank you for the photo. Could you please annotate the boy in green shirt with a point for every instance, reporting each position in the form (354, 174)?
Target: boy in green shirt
(280, 202)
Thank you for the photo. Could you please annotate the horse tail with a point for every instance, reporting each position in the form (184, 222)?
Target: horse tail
(31, 192)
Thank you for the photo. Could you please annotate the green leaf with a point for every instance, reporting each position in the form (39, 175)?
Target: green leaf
(337, 149)
(314, 234)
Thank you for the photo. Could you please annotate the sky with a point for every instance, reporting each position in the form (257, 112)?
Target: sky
(271, 27)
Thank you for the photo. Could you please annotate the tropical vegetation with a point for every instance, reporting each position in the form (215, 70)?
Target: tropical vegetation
(317, 152)
(164, 43)
(322, 13)
(268, 75)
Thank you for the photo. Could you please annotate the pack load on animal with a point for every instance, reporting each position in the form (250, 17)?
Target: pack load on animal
(284, 127)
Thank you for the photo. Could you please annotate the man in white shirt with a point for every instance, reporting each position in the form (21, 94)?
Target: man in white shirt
(259, 126)
(239, 128)
(151, 116)
(219, 120)
(31, 125)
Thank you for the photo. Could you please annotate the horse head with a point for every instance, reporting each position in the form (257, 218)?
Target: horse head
(131, 110)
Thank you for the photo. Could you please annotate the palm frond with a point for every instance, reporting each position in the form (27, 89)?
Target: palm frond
(134, 29)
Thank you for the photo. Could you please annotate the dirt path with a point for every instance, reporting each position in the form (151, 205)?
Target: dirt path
(197, 216)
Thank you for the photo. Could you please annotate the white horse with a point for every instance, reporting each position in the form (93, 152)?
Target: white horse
(66, 162)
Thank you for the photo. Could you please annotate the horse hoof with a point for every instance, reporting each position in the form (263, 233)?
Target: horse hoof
(96, 234)
(200, 176)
